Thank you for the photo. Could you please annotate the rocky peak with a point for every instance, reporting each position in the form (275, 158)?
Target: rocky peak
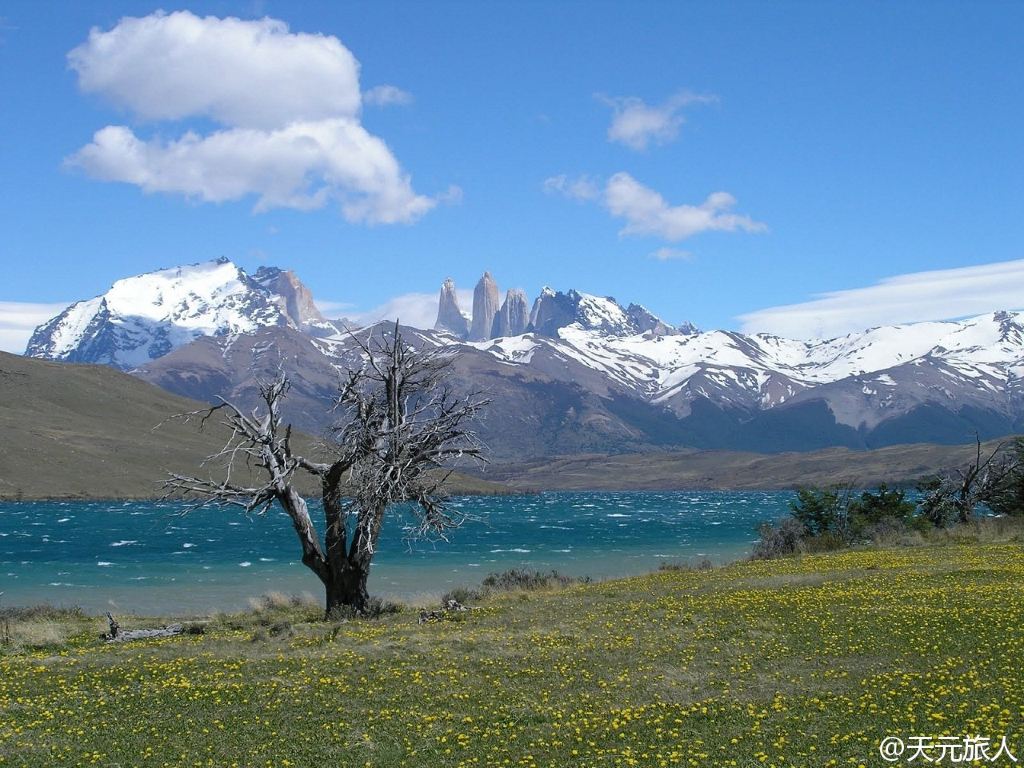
(485, 306)
(645, 321)
(513, 317)
(449, 316)
(553, 310)
(294, 298)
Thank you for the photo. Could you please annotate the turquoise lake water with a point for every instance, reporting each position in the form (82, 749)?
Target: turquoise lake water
(146, 557)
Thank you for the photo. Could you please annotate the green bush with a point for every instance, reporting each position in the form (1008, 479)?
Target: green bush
(872, 508)
(821, 511)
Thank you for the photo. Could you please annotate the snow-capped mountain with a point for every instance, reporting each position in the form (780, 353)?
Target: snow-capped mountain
(144, 317)
(586, 373)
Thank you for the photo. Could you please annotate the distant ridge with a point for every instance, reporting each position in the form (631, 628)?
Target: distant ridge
(579, 374)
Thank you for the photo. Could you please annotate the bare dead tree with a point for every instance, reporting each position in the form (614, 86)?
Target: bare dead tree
(957, 495)
(401, 426)
(401, 429)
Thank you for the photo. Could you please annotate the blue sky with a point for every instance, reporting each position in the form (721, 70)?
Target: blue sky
(568, 144)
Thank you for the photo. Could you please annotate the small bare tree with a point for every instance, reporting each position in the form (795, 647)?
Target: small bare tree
(400, 429)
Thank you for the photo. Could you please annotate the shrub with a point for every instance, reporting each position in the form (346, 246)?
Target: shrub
(779, 539)
(820, 510)
(512, 580)
(870, 509)
(523, 579)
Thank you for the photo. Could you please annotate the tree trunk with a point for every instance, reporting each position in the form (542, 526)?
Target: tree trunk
(347, 589)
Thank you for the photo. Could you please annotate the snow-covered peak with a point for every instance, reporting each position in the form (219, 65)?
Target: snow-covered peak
(144, 317)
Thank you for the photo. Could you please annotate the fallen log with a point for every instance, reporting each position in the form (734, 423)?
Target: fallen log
(118, 635)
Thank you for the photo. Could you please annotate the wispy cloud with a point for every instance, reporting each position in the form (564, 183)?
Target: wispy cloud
(288, 105)
(637, 124)
(19, 318)
(671, 254)
(935, 295)
(387, 96)
(580, 188)
(647, 213)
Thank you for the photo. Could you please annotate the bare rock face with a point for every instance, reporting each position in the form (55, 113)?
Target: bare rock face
(449, 316)
(485, 306)
(294, 297)
(643, 320)
(513, 317)
(553, 310)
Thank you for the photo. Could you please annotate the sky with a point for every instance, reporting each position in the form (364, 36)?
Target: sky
(802, 168)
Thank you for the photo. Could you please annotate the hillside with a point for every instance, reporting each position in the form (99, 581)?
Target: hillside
(684, 470)
(90, 431)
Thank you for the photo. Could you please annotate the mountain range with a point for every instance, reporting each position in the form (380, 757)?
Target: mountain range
(571, 373)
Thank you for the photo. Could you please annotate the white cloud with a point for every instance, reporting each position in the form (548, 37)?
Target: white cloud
(637, 124)
(253, 74)
(418, 310)
(580, 188)
(670, 254)
(936, 295)
(302, 166)
(387, 96)
(288, 104)
(647, 213)
(18, 319)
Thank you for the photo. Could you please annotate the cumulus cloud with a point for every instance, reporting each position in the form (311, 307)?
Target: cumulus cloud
(18, 319)
(288, 106)
(647, 213)
(637, 124)
(418, 310)
(935, 295)
(387, 96)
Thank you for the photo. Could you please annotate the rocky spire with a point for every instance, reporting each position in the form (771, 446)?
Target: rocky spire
(485, 307)
(449, 316)
(514, 315)
(295, 300)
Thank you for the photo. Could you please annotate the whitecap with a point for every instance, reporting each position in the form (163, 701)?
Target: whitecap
(245, 564)
(124, 543)
(103, 564)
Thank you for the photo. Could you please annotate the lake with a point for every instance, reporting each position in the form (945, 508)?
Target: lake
(146, 557)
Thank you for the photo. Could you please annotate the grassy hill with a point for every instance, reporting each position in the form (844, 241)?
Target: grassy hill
(89, 431)
(798, 662)
(683, 470)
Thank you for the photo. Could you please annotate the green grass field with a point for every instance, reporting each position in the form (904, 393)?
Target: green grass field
(798, 662)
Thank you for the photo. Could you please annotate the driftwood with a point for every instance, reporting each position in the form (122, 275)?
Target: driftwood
(118, 635)
(450, 607)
